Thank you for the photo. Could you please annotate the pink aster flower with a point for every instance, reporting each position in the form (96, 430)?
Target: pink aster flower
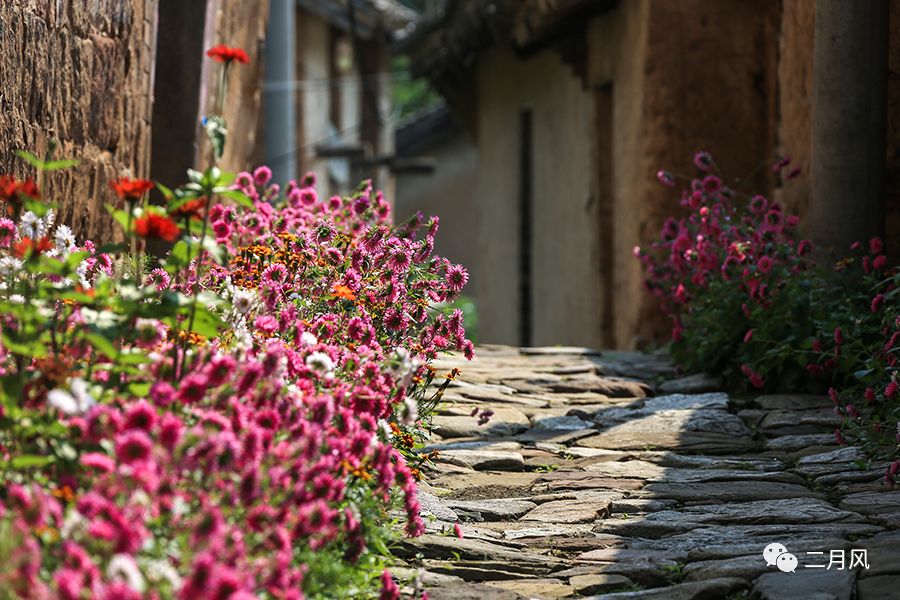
(170, 431)
(875, 245)
(703, 161)
(275, 276)
(456, 278)
(665, 178)
(7, 232)
(96, 460)
(140, 415)
(133, 446)
(192, 388)
(764, 264)
(262, 176)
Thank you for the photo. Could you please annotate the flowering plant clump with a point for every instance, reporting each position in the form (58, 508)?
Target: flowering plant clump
(748, 302)
(230, 421)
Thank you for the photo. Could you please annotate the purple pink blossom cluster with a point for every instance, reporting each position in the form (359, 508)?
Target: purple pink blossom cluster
(238, 465)
(724, 237)
(748, 301)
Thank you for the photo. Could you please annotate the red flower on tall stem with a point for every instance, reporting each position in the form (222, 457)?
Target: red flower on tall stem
(192, 209)
(157, 226)
(29, 247)
(227, 55)
(130, 189)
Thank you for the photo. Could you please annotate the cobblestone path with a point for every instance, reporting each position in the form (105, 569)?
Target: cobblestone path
(603, 476)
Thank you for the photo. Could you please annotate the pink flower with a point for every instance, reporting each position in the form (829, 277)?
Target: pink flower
(458, 530)
(752, 376)
(748, 336)
(140, 416)
(764, 264)
(456, 278)
(890, 389)
(262, 176)
(95, 460)
(7, 232)
(879, 262)
(193, 388)
(389, 589)
(712, 184)
(758, 205)
(875, 245)
(665, 178)
(877, 301)
(838, 336)
(275, 276)
(162, 393)
(170, 431)
(703, 161)
(133, 446)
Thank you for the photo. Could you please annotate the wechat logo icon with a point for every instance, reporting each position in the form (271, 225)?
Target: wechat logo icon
(776, 554)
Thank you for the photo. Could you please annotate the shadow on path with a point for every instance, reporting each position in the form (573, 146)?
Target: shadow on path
(600, 475)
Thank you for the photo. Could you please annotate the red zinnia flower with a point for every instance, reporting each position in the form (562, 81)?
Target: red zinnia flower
(130, 189)
(13, 189)
(192, 209)
(226, 54)
(157, 226)
(27, 246)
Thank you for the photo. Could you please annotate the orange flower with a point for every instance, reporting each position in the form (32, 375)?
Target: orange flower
(342, 291)
(28, 247)
(157, 226)
(64, 493)
(130, 189)
(192, 209)
(226, 54)
(13, 189)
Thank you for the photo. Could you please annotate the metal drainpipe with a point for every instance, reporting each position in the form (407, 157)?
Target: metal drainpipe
(279, 106)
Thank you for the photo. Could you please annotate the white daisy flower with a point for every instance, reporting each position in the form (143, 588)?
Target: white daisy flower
(122, 567)
(320, 363)
(64, 238)
(75, 401)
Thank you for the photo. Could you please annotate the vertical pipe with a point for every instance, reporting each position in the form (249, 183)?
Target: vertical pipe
(848, 125)
(526, 211)
(280, 118)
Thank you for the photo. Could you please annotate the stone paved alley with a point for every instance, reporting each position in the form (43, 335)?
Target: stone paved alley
(604, 476)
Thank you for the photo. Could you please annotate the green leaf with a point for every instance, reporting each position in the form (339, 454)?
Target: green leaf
(111, 248)
(119, 215)
(64, 163)
(38, 207)
(167, 193)
(30, 461)
(139, 389)
(238, 197)
(101, 344)
(206, 323)
(31, 348)
(45, 165)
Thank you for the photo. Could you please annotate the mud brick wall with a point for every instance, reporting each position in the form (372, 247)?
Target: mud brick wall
(79, 71)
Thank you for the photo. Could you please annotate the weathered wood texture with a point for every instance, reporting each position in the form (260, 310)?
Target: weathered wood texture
(79, 71)
(240, 24)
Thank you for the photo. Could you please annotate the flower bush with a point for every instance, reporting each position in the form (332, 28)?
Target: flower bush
(230, 421)
(748, 302)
